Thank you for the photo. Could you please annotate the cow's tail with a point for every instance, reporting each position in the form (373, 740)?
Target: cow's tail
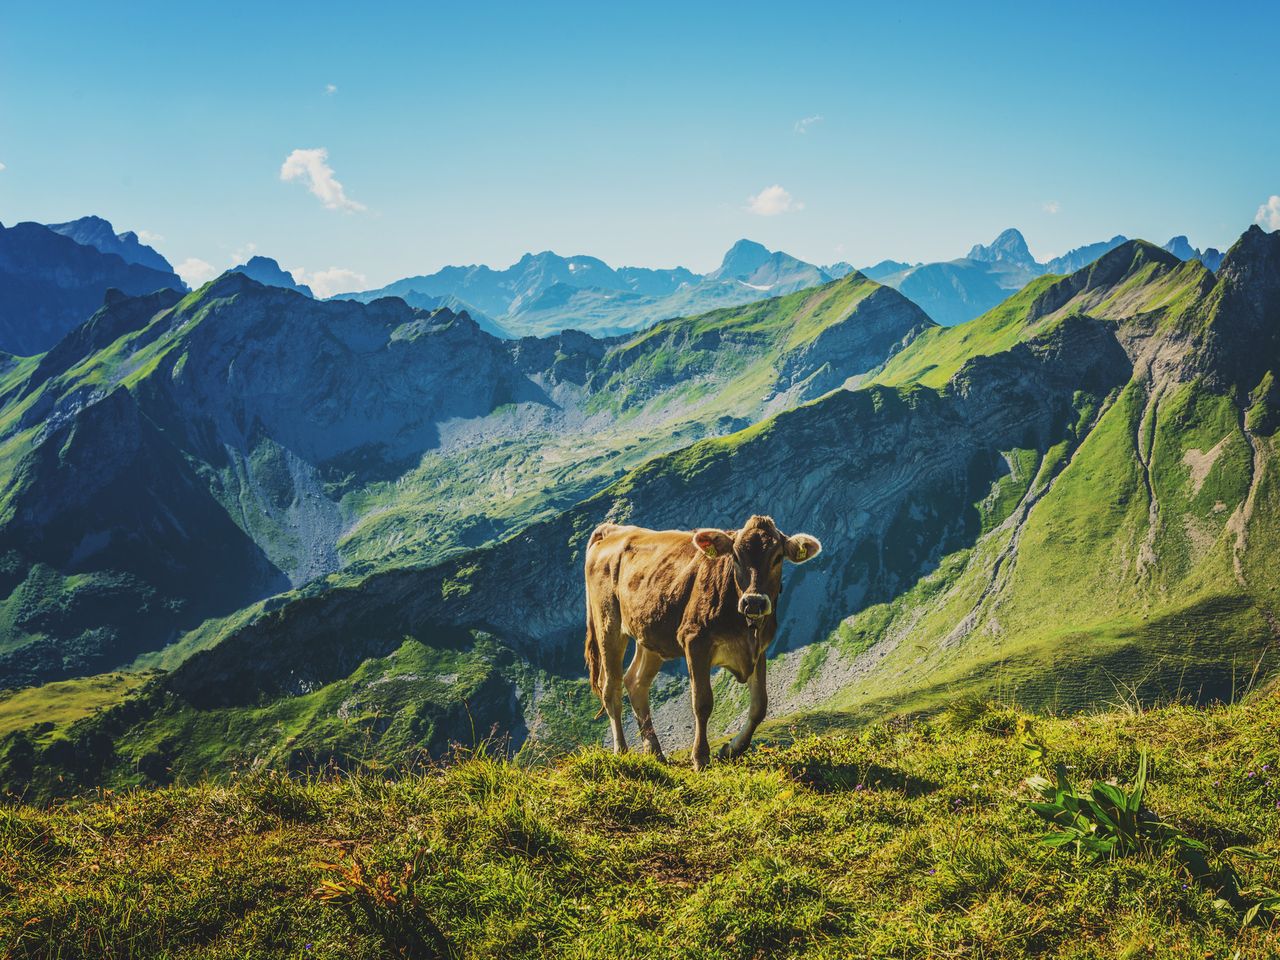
(593, 654)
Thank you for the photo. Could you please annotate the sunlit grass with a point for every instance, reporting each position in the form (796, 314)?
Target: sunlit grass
(906, 840)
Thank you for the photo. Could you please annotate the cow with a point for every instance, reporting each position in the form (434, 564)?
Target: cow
(707, 595)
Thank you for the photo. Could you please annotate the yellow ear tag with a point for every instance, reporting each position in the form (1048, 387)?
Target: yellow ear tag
(710, 551)
(801, 552)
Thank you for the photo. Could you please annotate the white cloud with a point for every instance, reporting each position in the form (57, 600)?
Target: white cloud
(1268, 215)
(312, 168)
(330, 89)
(146, 236)
(1052, 206)
(241, 254)
(1, 166)
(325, 283)
(195, 271)
(772, 201)
(803, 124)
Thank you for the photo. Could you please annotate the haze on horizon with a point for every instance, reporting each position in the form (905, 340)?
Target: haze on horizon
(356, 148)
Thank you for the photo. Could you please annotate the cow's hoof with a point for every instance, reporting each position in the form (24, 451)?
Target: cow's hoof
(726, 753)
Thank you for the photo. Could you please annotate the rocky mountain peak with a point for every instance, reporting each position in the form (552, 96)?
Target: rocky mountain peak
(94, 231)
(269, 273)
(742, 259)
(1009, 247)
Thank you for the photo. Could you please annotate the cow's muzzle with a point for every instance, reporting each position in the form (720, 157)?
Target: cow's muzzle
(753, 606)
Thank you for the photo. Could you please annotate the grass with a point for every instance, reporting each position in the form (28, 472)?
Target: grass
(56, 705)
(907, 840)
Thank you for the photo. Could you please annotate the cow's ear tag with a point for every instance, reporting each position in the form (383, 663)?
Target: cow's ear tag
(802, 553)
(710, 551)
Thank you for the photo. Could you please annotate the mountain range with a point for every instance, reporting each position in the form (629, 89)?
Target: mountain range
(340, 528)
(955, 291)
(545, 293)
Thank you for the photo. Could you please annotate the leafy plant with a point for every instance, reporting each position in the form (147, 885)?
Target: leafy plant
(1105, 821)
(1108, 821)
(391, 907)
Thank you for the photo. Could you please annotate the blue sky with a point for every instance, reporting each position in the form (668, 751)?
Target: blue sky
(474, 132)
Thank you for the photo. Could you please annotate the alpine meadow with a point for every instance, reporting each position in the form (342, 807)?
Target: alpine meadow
(837, 596)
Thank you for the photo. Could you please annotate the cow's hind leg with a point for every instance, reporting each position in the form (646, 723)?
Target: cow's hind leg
(613, 648)
(644, 667)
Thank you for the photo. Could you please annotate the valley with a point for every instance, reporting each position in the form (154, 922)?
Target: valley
(418, 576)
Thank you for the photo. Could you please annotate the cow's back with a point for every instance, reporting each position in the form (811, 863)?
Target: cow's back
(645, 577)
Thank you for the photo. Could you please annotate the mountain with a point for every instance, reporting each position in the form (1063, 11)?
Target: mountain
(182, 458)
(951, 292)
(837, 270)
(1181, 248)
(424, 301)
(1008, 247)
(1075, 491)
(267, 272)
(1081, 257)
(955, 291)
(50, 283)
(544, 293)
(761, 269)
(98, 233)
(501, 293)
(886, 268)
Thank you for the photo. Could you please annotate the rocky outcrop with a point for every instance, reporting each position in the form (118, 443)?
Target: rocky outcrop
(97, 232)
(50, 284)
(267, 272)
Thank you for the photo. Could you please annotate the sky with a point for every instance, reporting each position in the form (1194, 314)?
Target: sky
(359, 145)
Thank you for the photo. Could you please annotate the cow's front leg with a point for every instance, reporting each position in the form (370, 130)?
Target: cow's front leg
(698, 657)
(755, 715)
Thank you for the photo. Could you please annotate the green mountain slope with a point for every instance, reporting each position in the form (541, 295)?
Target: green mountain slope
(1069, 500)
(177, 459)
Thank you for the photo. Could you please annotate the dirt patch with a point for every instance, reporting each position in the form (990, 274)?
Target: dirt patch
(1200, 463)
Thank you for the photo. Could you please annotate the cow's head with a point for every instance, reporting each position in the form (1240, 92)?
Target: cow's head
(758, 550)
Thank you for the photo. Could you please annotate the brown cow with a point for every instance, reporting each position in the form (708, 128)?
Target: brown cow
(708, 595)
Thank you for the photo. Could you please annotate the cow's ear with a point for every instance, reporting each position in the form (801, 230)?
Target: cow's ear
(802, 547)
(712, 543)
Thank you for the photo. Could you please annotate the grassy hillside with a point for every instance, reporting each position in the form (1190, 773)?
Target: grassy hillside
(1128, 555)
(53, 706)
(908, 840)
